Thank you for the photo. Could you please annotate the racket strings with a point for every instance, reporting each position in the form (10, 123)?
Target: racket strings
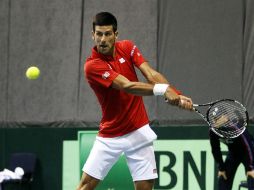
(227, 118)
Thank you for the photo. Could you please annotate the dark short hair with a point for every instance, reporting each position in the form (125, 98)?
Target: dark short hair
(105, 19)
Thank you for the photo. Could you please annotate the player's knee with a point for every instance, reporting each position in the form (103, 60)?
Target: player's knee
(82, 185)
(87, 182)
(85, 186)
(78, 188)
(144, 185)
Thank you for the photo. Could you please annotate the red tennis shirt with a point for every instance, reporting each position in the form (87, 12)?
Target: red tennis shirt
(122, 113)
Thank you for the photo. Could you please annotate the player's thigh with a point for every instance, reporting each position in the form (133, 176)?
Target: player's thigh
(101, 158)
(141, 163)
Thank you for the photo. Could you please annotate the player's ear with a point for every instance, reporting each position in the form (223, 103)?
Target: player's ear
(92, 35)
(116, 34)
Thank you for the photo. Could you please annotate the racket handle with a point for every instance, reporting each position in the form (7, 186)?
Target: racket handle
(195, 105)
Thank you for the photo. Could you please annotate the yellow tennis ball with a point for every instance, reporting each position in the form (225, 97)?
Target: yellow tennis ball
(32, 72)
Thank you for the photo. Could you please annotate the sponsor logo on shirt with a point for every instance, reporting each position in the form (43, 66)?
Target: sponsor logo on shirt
(121, 60)
(109, 66)
(132, 51)
(105, 75)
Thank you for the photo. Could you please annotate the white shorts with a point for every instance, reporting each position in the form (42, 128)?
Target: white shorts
(137, 147)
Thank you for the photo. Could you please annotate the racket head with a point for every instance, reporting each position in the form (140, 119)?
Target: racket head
(227, 118)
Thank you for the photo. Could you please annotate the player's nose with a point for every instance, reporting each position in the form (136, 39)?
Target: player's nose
(103, 38)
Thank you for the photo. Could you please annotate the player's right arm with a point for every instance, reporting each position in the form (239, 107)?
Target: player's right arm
(142, 89)
(98, 72)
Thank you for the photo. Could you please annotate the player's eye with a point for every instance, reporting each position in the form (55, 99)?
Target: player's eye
(99, 34)
(108, 33)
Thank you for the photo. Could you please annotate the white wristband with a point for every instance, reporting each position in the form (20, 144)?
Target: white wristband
(160, 89)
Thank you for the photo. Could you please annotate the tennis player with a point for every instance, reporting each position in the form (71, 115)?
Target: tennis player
(240, 150)
(124, 126)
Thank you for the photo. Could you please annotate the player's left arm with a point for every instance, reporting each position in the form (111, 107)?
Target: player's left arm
(154, 77)
(151, 75)
(146, 89)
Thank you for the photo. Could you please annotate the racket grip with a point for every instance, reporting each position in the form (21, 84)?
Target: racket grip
(195, 105)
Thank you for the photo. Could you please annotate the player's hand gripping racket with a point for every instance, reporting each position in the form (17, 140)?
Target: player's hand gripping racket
(227, 118)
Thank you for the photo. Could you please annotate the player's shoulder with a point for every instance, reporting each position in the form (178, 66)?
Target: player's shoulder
(92, 63)
(125, 43)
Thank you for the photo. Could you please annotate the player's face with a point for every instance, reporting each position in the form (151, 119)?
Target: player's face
(104, 38)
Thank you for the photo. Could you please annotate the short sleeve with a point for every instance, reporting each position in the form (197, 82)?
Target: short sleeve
(100, 73)
(136, 56)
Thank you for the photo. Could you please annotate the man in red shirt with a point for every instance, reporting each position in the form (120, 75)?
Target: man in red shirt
(124, 127)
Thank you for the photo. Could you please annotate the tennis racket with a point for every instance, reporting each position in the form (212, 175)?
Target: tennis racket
(227, 118)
